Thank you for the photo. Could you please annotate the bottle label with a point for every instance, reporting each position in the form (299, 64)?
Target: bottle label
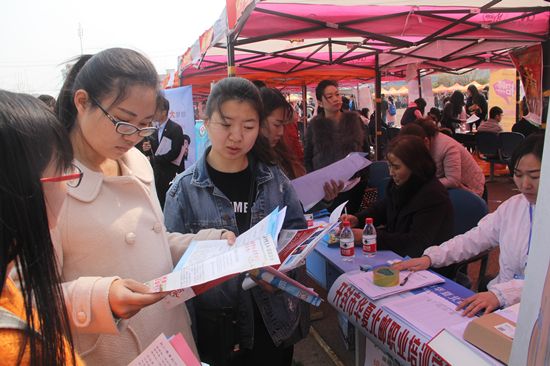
(369, 246)
(346, 247)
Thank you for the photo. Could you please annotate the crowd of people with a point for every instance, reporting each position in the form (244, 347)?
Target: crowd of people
(86, 218)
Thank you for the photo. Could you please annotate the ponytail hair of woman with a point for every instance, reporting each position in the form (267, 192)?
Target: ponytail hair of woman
(109, 73)
(31, 139)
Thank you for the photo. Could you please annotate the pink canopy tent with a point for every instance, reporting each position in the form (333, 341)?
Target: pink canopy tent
(298, 42)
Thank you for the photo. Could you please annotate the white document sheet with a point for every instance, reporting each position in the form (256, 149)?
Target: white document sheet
(164, 146)
(335, 215)
(310, 187)
(363, 281)
(473, 118)
(428, 312)
(158, 353)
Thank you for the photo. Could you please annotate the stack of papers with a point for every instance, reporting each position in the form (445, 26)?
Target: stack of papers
(173, 351)
(363, 281)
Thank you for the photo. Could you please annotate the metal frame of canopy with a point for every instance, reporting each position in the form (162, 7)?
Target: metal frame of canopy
(305, 40)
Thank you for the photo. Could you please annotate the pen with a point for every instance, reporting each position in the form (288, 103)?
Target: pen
(405, 279)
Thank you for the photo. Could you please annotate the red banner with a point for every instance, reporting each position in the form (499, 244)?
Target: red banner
(528, 62)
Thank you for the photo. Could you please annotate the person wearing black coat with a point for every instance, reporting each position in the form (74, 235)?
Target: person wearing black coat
(165, 164)
(416, 211)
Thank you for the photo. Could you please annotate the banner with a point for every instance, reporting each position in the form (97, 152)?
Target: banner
(412, 82)
(528, 62)
(502, 93)
(427, 93)
(181, 112)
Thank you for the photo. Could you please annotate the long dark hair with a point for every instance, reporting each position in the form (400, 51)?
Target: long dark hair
(414, 154)
(111, 72)
(235, 88)
(30, 139)
(532, 144)
(273, 99)
(457, 102)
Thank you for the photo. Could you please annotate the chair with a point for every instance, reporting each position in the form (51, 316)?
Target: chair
(508, 143)
(488, 146)
(468, 209)
(379, 175)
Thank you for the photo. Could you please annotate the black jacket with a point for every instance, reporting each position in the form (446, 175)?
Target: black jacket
(415, 217)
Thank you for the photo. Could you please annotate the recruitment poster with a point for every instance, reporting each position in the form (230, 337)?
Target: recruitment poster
(528, 62)
(502, 93)
(181, 112)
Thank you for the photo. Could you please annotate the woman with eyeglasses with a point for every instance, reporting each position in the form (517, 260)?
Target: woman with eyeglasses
(332, 135)
(111, 229)
(34, 326)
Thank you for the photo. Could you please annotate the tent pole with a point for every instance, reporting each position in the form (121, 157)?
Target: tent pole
(230, 56)
(304, 107)
(378, 110)
(419, 83)
(545, 82)
(518, 102)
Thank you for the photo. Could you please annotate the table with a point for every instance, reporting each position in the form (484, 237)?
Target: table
(396, 337)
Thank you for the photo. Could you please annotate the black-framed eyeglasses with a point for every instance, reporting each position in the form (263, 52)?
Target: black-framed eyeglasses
(125, 128)
(73, 177)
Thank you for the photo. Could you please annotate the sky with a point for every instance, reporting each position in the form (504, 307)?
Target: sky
(38, 36)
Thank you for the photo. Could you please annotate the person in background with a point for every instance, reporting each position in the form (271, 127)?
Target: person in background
(278, 114)
(455, 166)
(416, 211)
(391, 112)
(352, 103)
(34, 325)
(384, 108)
(454, 114)
(509, 228)
(524, 126)
(476, 104)
(185, 152)
(435, 115)
(110, 238)
(414, 111)
(234, 185)
(49, 101)
(493, 123)
(332, 135)
(170, 140)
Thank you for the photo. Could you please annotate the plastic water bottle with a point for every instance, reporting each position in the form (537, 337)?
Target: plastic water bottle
(369, 238)
(347, 248)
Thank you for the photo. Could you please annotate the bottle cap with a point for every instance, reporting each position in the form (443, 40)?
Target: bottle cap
(369, 220)
(346, 223)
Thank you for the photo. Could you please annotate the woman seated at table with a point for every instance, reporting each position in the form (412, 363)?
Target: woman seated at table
(455, 166)
(416, 211)
(509, 227)
(454, 115)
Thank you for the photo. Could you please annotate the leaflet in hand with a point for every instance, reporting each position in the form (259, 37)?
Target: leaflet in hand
(253, 249)
(167, 352)
(363, 281)
(310, 186)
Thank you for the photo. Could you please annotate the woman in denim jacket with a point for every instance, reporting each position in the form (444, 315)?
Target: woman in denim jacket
(234, 185)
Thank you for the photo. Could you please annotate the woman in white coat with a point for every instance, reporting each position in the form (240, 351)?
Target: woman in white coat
(509, 228)
(111, 238)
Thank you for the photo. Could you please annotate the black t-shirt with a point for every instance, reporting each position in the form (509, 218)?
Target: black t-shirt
(236, 187)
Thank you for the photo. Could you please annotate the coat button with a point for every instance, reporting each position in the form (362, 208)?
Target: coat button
(157, 227)
(81, 316)
(130, 238)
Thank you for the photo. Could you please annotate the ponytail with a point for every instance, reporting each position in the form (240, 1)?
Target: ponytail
(109, 73)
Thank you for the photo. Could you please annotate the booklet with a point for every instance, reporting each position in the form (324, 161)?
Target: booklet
(253, 249)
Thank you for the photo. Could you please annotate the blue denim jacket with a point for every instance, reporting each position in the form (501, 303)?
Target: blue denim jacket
(194, 203)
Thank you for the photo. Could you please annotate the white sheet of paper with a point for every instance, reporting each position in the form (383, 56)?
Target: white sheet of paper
(428, 312)
(473, 118)
(164, 146)
(363, 281)
(310, 186)
(335, 215)
(158, 353)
